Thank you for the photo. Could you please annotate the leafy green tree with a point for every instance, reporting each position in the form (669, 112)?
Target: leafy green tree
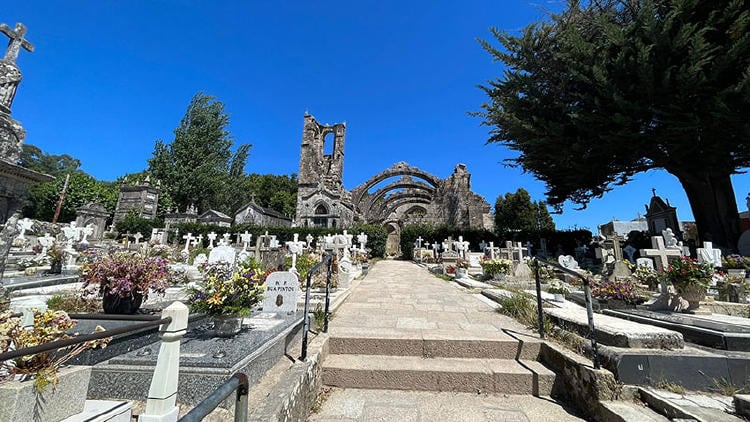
(82, 189)
(611, 88)
(134, 223)
(278, 192)
(517, 212)
(33, 158)
(198, 166)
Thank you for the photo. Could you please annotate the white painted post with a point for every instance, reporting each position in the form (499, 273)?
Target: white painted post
(162, 396)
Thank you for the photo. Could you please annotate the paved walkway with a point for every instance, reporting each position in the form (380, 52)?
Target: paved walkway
(399, 298)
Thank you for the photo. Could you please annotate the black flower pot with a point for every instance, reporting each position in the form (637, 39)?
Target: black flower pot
(114, 304)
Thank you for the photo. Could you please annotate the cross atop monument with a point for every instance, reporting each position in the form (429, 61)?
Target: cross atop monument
(17, 41)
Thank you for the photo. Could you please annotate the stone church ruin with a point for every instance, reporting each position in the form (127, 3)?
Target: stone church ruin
(397, 196)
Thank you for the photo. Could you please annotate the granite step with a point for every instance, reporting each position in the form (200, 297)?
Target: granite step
(434, 344)
(622, 411)
(504, 376)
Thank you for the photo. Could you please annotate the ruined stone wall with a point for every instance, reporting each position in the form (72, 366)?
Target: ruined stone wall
(321, 197)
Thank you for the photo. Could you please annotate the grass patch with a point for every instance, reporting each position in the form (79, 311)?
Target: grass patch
(317, 405)
(520, 307)
(671, 387)
(319, 315)
(726, 388)
(73, 303)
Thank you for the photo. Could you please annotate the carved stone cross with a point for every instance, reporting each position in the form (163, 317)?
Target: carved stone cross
(17, 41)
(660, 252)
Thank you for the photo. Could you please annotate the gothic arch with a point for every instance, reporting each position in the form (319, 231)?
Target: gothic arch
(398, 169)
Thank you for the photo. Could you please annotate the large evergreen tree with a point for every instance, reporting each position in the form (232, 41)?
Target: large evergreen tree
(612, 88)
(198, 166)
(517, 212)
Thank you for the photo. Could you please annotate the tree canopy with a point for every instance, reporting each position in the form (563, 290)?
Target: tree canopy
(608, 89)
(517, 212)
(198, 167)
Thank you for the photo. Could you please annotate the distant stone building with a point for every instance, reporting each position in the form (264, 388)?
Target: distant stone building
(622, 228)
(413, 195)
(142, 197)
(661, 215)
(252, 213)
(322, 200)
(215, 218)
(94, 214)
(174, 218)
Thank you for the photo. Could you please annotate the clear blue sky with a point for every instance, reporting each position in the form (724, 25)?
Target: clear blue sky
(108, 78)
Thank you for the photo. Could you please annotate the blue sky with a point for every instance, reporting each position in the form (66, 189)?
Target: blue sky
(109, 78)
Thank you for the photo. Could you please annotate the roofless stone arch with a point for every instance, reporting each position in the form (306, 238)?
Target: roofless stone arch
(405, 182)
(398, 169)
(394, 201)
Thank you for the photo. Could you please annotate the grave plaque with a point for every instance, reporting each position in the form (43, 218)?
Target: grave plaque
(282, 292)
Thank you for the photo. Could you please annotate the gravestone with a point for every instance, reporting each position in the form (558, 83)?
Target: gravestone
(211, 237)
(282, 293)
(645, 262)
(188, 240)
(246, 238)
(660, 253)
(222, 254)
(708, 255)
(23, 226)
(449, 258)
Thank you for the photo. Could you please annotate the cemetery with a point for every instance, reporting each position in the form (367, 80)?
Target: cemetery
(396, 296)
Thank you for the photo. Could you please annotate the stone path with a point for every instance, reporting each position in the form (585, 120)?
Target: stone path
(403, 330)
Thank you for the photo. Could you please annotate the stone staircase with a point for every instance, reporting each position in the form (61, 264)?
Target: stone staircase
(486, 363)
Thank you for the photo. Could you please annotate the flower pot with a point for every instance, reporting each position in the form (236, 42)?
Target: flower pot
(21, 402)
(55, 267)
(226, 325)
(693, 294)
(114, 304)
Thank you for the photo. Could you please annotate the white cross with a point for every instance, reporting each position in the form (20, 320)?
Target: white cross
(188, 238)
(309, 240)
(295, 248)
(246, 238)
(660, 253)
(138, 236)
(46, 241)
(492, 250)
(211, 237)
(225, 239)
(362, 239)
(24, 225)
(198, 240)
(419, 242)
(708, 255)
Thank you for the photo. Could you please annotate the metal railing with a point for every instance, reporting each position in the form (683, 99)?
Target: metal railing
(587, 296)
(239, 383)
(151, 321)
(328, 262)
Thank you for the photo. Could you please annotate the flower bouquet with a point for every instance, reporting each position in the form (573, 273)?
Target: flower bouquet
(228, 290)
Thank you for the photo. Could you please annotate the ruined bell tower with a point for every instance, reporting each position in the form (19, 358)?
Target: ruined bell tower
(322, 200)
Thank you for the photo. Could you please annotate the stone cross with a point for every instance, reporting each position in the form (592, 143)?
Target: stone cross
(17, 41)
(211, 237)
(518, 251)
(87, 231)
(349, 238)
(660, 253)
(225, 239)
(309, 238)
(24, 225)
(198, 240)
(435, 249)
(461, 246)
(492, 250)
(273, 243)
(154, 235)
(708, 255)
(188, 238)
(246, 238)
(46, 242)
(418, 242)
(616, 247)
(295, 248)
(529, 247)
(138, 236)
(483, 246)
(72, 234)
(362, 239)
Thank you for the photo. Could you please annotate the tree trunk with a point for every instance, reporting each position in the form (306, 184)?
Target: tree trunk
(711, 197)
